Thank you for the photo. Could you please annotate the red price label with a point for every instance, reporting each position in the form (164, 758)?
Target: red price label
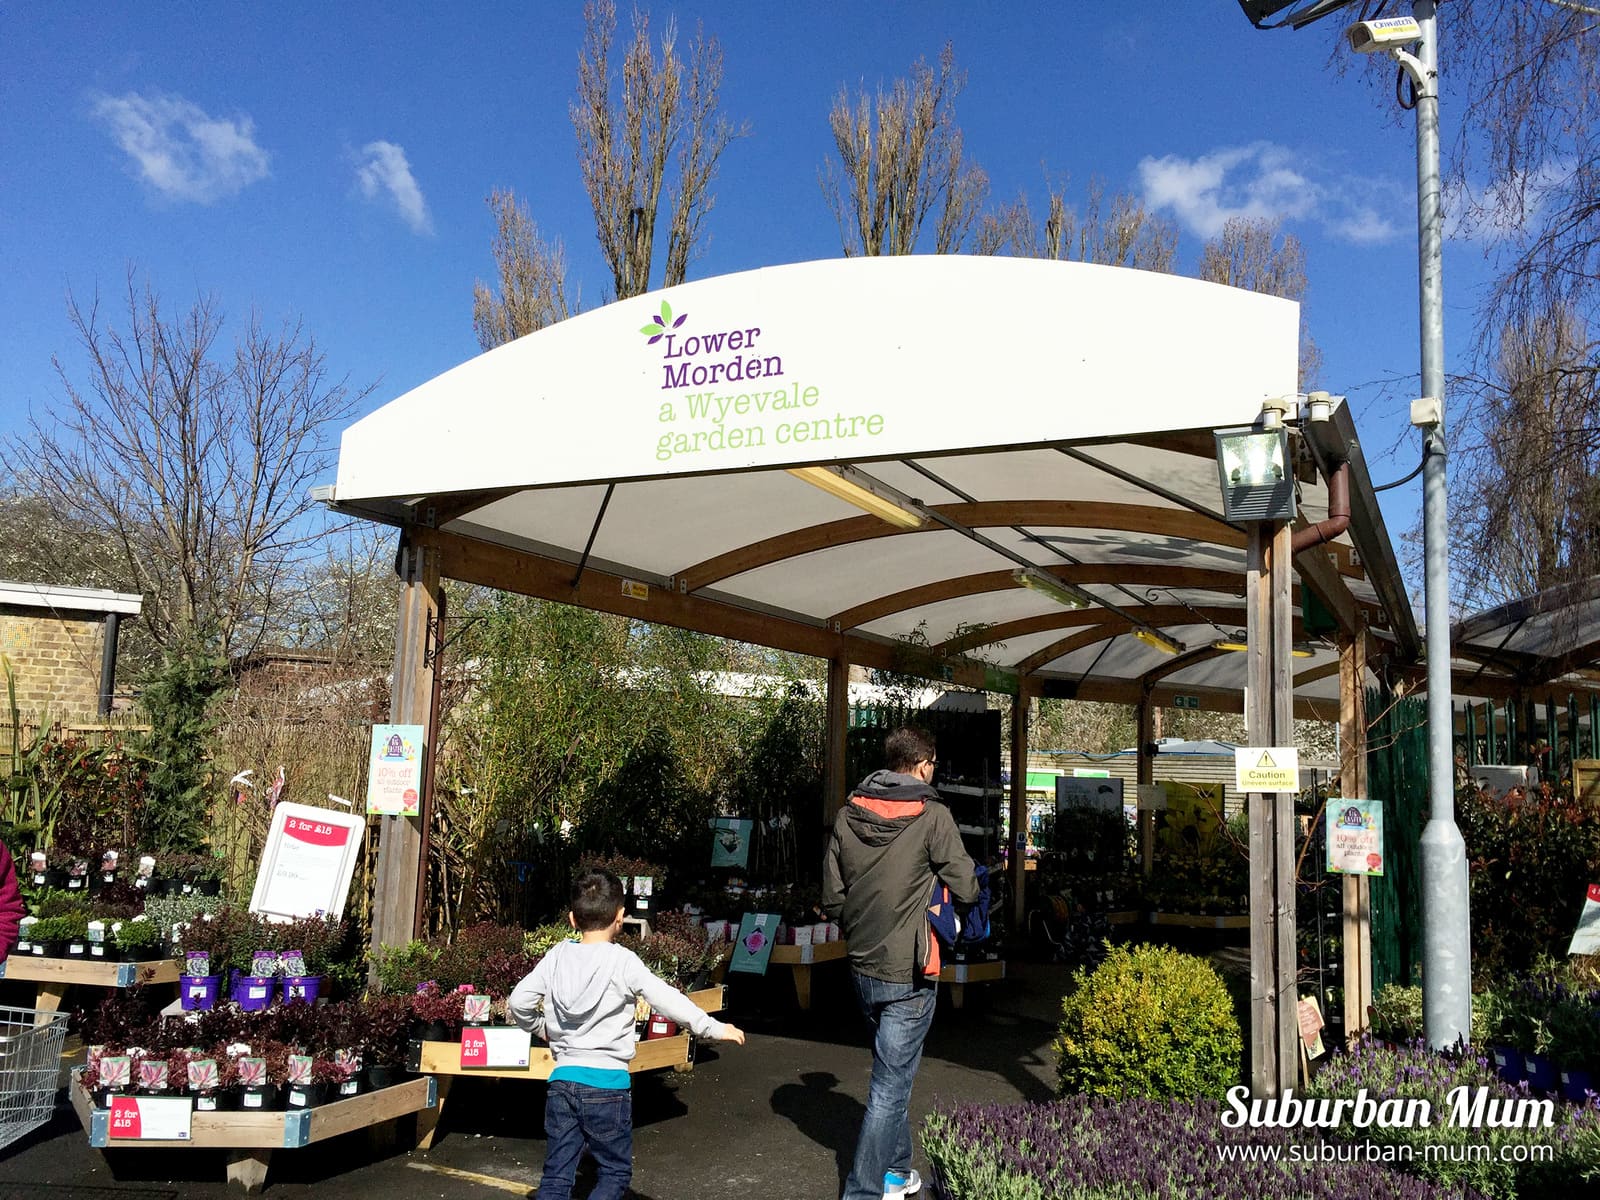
(474, 1048)
(125, 1121)
(317, 833)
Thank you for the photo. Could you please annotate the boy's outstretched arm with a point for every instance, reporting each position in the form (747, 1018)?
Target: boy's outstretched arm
(673, 1004)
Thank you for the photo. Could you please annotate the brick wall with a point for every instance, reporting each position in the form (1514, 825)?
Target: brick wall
(55, 658)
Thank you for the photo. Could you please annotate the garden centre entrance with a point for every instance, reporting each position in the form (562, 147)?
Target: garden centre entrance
(997, 472)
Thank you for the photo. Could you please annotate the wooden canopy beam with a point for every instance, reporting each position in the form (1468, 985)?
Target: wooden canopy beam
(1058, 514)
(1162, 576)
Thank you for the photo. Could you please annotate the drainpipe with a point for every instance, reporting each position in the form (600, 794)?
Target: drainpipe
(108, 663)
(1338, 513)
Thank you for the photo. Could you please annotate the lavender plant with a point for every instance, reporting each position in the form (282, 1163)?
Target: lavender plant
(1089, 1148)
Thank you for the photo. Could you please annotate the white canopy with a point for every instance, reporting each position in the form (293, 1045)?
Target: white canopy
(1045, 414)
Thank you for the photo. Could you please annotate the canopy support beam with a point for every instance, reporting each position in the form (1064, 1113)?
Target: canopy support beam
(1269, 721)
(402, 840)
(1021, 716)
(1356, 889)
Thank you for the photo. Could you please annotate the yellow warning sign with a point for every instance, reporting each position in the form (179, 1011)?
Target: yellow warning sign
(1266, 768)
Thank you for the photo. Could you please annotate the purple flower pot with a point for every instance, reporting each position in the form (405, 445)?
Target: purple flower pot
(1507, 1063)
(254, 992)
(199, 992)
(297, 988)
(1541, 1072)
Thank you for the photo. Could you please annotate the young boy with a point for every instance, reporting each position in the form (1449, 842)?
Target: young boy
(580, 998)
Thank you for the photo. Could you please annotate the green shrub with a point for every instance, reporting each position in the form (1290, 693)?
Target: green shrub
(1149, 1022)
(402, 969)
(1397, 1013)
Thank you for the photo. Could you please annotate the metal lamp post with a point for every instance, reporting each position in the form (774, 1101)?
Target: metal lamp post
(1447, 950)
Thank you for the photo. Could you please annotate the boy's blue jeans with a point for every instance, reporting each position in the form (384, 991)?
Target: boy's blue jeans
(900, 1015)
(577, 1115)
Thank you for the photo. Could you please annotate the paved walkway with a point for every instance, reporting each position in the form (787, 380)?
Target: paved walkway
(775, 1117)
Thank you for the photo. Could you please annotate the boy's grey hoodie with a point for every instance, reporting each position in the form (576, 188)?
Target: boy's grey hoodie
(580, 999)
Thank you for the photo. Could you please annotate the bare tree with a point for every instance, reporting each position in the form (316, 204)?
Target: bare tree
(1121, 233)
(901, 159)
(532, 275)
(187, 463)
(1252, 254)
(1526, 482)
(666, 115)
(1525, 166)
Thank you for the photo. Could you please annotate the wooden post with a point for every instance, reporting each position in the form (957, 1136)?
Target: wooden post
(835, 785)
(1356, 889)
(1021, 713)
(1148, 720)
(418, 633)
(1269, 720)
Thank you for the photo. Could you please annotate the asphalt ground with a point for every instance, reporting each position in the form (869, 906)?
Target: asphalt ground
(777, 1116)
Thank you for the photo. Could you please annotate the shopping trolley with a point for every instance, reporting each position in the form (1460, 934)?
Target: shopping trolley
(30, 1069)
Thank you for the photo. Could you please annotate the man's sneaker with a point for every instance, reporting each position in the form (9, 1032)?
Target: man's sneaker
(896, 1185)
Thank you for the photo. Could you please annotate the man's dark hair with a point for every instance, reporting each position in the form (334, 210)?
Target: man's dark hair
(596, 896)
(906, 747)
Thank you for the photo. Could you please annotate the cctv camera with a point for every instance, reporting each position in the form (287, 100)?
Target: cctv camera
(1375, 37)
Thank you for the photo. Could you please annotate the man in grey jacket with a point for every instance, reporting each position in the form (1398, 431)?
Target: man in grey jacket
(888, 845)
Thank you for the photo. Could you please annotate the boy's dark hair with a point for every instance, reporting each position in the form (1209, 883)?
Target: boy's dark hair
(906, 747)
(596, 896)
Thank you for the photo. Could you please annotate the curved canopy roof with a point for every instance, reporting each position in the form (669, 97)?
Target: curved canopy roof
(1547, 638)
(1026, 414)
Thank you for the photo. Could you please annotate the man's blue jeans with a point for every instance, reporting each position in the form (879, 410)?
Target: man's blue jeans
(577, 1115)
(900, 1014)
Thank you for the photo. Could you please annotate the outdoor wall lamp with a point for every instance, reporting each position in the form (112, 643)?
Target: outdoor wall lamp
(1253, 469)
(867, 494)
(1046, 584)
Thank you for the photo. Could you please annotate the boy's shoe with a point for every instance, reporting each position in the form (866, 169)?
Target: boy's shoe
(896, 1185)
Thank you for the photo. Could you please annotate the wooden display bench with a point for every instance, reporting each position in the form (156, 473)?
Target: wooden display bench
(1197, 921)
(55, 975)
(442, 1061)
(800, 959)
(251, 1137)
(956, 976)
(1123, 917)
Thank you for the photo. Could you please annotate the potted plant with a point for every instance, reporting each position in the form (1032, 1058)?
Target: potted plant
(154, 1077)
(304, 1089)
(138, 940)
(109, 860)
(343, 1075)
(263, 1077)
(109, 1075)
(299, 983)
(208, 875)
(254, 984)
(384, 1032)
(51, 935)
(198, 986)
(213, 1083)
(437, 1013)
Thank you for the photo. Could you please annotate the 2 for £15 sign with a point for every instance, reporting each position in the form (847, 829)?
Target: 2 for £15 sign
(149, 1119)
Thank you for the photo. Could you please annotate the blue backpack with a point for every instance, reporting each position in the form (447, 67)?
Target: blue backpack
(970, 929)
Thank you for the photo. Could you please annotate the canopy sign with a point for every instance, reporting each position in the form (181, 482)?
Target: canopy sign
(833, 361)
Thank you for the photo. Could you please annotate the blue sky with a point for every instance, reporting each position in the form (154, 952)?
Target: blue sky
(331, 162)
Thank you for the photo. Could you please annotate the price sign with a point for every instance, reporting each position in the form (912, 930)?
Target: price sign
(495, 1046)
(150, 1119)
(309, 859)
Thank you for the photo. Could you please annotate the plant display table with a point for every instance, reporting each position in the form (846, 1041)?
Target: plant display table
(251, 1137)
(956, 976)
(800, 960)
(442, 1061)
(1124, 917)
(55, 975)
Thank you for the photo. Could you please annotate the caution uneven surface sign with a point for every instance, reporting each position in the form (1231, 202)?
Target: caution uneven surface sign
(1266, 768)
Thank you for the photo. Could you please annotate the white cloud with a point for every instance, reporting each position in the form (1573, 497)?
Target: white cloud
(179, 149)
(1263, 181)
(382, 169)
